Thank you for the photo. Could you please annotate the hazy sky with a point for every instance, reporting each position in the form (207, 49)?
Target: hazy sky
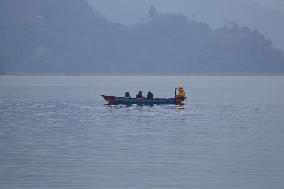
(265, 15)
(274, 4)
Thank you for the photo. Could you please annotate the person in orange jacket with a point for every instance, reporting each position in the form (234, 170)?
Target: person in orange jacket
(181, 92)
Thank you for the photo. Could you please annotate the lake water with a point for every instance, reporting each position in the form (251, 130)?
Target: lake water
(56, 132)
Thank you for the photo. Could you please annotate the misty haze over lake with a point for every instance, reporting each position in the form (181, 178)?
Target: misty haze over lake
(72, 36)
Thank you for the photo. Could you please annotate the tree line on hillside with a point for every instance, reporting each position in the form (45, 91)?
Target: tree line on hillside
(67, 36)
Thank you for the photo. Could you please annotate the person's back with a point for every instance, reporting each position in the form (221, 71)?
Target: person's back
(139, 95)
(127, 95)
(150, 95)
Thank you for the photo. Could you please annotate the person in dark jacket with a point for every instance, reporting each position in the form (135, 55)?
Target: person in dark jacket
(150, 95)
(127, 95)
(139, 95)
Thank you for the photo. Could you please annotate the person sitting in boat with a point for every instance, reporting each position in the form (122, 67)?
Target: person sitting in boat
(150, 95)
(139, 95)
(127, 95)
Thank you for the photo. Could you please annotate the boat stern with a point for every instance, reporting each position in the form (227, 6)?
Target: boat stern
(179, 100)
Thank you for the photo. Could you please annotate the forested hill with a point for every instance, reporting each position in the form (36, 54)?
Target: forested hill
(67, 36)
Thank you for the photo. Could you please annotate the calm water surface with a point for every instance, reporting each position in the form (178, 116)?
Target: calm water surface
(56, 132)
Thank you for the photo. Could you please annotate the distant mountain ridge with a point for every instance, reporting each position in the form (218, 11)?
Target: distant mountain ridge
(67, 36)
(258, 14)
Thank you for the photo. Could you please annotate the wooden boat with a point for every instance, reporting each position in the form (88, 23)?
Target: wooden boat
(113, 100)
